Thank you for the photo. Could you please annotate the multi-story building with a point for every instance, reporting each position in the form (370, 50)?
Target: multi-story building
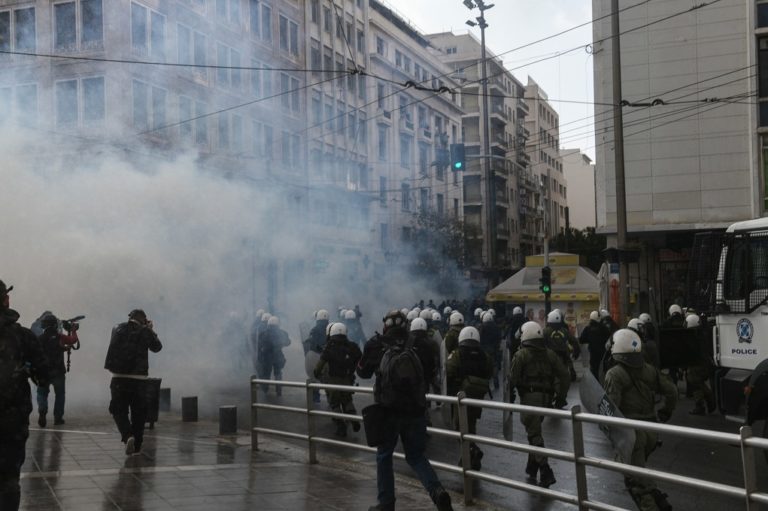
(411, 130)
(507, 135)
(543, 123)
(688, 166)
(580, 175)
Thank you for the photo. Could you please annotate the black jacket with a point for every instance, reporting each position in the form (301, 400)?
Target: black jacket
(54, 353)
(595, 335)
(127, 353)
(21, 358)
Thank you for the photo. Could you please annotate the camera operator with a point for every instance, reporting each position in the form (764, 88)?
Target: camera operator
(20, 358)
(55, 344)
(128, 361)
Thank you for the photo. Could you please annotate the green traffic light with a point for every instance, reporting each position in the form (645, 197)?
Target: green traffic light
(457, 165)
(545, 289)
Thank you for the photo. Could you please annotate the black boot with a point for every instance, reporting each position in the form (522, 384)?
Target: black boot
(547, 476)
(341, 429)
(58, 421)
(531, 469)
(661, 500)
(41, 420)
(475, 457)
(441, 498)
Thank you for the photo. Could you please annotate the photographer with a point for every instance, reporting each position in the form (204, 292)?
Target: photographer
(55, 344)
(128, 361)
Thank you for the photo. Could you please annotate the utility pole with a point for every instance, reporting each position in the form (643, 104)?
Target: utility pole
(487, 169)
(618, 148)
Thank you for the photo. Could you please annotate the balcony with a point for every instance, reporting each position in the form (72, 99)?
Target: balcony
(522, 132)
(502, 196)
(387, 114)
(406, 122)
(522, 106)
(500, 140)
(499, 166)
(497, 109)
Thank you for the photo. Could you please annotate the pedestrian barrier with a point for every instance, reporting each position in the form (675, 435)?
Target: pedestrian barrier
(746, 442)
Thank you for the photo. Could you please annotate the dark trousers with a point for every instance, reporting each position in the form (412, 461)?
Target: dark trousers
(11, 459)
(58, 403)
(129, 395)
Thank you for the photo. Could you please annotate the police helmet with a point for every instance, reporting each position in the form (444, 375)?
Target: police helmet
(645, 317)
(405, 311)
(531, 334)
(469, 333)
(273, 321)
(488, 317)
(456, 319)
(411, 315)
(418, 325)
(594, 316)
(692, 321)
(259, 313)
(417, 310)
(138, 315)
(337, 329)
(517, 310)
(492, 312)
(350, 314)
(627, 348)
(478, 312)
(604, 313)
(265, 317)
(322, 315)
(436, 316)
(634, 324)
(675, 309)
(555, 316)
(447, 311)
(426, 315)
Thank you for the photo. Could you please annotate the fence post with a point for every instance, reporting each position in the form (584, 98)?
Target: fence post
(578, 452)
(311, 430)
(748, 465)
(254, 414)
(466, 463)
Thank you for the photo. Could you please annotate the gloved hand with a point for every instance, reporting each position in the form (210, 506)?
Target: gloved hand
(560, 403)
(663, 415)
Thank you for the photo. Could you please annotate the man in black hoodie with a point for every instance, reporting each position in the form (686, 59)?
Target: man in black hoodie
(21, 357)
(128, 361)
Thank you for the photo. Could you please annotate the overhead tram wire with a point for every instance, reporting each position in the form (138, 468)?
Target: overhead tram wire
(340, 24)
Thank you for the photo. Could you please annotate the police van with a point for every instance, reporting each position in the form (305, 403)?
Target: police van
(728, 281)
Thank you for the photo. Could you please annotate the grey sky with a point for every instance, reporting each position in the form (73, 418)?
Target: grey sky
(513, 23)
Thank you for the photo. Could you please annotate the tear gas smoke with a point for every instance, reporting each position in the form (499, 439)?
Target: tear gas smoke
(99, 235)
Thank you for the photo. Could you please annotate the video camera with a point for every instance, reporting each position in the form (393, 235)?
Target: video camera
(72, 324)
(70, 341)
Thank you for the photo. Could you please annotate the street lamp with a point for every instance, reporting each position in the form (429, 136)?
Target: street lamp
(490, 202)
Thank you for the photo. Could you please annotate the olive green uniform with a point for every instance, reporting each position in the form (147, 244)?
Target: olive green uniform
(633, 391)
(472, 380)
(452, 338)
(341, 356)
(540, 377)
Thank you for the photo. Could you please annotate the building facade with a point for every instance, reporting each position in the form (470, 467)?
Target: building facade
(693, 134)
(579, 173)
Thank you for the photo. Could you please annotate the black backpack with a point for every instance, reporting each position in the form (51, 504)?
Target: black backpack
(340, 359)
(473, 366)
(266, 347)
(400, 382)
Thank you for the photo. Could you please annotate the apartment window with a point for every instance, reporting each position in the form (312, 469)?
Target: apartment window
(65, 26)
(440, 204)
(254, 8)
(289, 92)
(762, 70)
(317, 107)
(315, 58)
(328, 62)
(341, 116)
(362, 129)
(201, 124)
(762, 15)
(380, 95)
(147, 32)
(382, 143)
(237, 133)
(361, 86)
(227, 57)
(228, 10)
(26, 103)
(381, 48)
(17, 30)
(256, 78)
(383, 190)
(424, 159)
(283, 35)
(384, 235)
(93, 99)
(405, 196)
(66, 29)
(66, 103)
(327, 19)
(398, 59)
(456, 208)
(266, 23)
(223, 130)
(352, 125)
(148, 106)
(269, 142)
(329, 116)
(191, 49)
(405, 151)
(185, 114)
(314, 11)
(360, 40)
(351, 79)
(424, 200)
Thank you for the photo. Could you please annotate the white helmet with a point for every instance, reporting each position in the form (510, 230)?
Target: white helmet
(426, 315)
(417, 310)
(531, 334)
(404, 310)
(447, 311)
(675, 309)
(692, 321)
(469, 333)
(594, 316)
(645, 318)
(266, 316)
(554, 316)
(411, 315)
(627, 348)
(342, 313)
(478, 312)
(418, 324)
(436, 316)
(634, 324)
(322, 314)
(604, 313)
(487, 317)
(350, 314)
(259, 313)
(273, 321)
(492, 312)
(337, 329)
(456, 319)
(517, 310)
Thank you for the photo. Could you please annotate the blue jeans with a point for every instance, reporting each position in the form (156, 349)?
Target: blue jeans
(42, 396)
(413, 432)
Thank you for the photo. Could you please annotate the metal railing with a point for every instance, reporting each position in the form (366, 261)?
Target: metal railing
(747, 443)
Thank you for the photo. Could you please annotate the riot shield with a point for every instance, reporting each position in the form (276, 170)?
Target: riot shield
(446, 411)
(506, 422)
(595, 400)
(310, 362)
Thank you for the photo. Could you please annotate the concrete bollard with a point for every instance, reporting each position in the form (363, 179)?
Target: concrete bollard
(165, 400)
(227, 420)
(189, 409)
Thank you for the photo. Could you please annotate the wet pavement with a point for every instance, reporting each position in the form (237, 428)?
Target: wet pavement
(82, 466)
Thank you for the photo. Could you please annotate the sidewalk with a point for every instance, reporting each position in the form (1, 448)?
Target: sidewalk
(82, 466)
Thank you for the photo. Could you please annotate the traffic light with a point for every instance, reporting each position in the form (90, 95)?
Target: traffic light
(545, 282)
(458, 157)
